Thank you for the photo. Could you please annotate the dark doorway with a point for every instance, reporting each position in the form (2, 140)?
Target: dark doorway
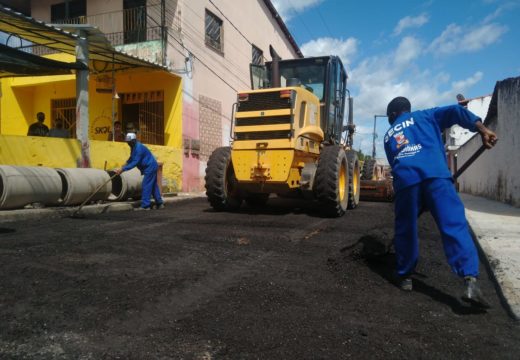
(143, 113)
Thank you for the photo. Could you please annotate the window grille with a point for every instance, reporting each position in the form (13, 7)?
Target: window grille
(65, 110)
(214, 32)
(144, 113)
(257, 56)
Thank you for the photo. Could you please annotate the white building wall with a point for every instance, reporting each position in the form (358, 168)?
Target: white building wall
(496, 173)
(213, 79)
(221, 75)
(457, 134)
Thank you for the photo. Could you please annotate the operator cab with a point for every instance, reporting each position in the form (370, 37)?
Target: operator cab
(325, 77)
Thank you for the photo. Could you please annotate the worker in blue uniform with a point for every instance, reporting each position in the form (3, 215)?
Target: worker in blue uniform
(143, 159)
(421, 178)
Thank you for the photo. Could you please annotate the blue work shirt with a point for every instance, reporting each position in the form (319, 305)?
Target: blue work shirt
(414, 146)
(141, 157)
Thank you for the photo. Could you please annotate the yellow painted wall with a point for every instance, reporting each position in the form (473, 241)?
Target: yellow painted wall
(21, 98)
(53, 152)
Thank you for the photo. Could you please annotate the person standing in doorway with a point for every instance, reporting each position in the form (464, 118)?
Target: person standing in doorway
(415, 151)
(142, 158)
(118, 133)
(38, 128)
(58, 130)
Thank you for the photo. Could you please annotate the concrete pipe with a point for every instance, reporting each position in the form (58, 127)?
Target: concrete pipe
(23, 185)
(80, 183)
(127, 185)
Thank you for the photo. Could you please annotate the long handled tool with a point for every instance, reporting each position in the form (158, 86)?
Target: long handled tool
(76, 213)
(469, 162)
(463, 168)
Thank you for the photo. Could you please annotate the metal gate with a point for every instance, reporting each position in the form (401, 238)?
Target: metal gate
(144, 113)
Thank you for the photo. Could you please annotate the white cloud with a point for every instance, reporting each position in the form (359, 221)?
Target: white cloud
(409, 49)
(345, 49)
(378, 79)
(410, 22)
(456, 39)
(462, 85)
(288, 8)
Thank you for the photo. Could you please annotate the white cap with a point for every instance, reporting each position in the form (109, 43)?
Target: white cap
(130, 137)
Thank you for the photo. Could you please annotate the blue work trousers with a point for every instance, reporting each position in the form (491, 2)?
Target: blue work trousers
(439, 196)
(150, 188)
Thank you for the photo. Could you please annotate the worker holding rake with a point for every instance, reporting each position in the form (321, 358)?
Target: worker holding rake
(415, 150)
(142, 158)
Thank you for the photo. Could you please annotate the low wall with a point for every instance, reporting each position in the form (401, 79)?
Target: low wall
(57, 153)
(496, 173)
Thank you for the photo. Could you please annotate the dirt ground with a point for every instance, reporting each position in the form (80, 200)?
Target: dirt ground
(279, 283)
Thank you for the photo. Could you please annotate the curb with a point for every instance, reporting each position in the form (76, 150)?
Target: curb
(94, 209)
(496, 270)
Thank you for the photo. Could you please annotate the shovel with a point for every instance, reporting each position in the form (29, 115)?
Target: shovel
(469, 162)
(463, 168)
(76, 214)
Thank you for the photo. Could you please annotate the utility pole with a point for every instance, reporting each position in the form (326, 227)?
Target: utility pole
(374, 136)
(82, 97)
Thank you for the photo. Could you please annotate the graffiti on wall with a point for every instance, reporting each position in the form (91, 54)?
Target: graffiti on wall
(101, 126)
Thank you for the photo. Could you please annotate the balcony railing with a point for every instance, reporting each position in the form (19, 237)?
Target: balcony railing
(129, 26)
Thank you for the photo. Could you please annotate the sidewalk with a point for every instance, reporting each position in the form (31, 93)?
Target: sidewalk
(497, 230)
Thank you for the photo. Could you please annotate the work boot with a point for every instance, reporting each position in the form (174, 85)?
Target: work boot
(160, 206)
(141, 208)
(405, 283)
(472, 293)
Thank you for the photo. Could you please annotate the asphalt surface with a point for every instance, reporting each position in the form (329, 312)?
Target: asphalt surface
(276, 283)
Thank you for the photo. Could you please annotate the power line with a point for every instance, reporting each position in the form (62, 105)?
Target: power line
(299, 17)
(200, 43)
(196, 38)
(324, 23)
(202, 62)
(240, 32)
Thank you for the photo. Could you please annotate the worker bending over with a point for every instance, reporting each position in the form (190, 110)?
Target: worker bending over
(143, 159)
(415, 150)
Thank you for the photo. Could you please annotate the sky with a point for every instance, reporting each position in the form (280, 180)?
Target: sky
(428, 51)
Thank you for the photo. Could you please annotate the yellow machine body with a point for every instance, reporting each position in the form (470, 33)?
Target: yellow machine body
(272, 146)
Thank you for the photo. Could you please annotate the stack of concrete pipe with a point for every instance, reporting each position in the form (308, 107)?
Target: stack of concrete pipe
(80, 183)
(24, 185)
(126, 186)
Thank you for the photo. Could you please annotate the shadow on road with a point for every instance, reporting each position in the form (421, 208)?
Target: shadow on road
(383, 265)
(280, 206)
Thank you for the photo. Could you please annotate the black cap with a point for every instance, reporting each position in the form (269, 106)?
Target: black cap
(397, 106)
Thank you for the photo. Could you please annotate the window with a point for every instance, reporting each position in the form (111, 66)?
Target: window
(214, 32)
(70, 10)
(64, 110)
(257, 56)
(134, 21)
(144, 112)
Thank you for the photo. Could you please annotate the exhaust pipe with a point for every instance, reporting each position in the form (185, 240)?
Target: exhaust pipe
(275, 68)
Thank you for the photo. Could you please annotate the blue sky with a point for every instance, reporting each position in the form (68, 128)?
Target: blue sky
(428, 51)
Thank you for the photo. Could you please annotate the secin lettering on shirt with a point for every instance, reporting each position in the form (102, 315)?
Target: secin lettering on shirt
(399, 127)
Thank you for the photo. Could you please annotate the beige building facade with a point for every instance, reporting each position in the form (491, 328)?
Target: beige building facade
(207, 44)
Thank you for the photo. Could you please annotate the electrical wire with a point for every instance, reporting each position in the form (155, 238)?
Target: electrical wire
(324, 23)
(225, 17)
(198, 41)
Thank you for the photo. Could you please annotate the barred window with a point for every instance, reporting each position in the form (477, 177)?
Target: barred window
(214, 32)
(64, 110)
(69, 12)
(257, 56)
